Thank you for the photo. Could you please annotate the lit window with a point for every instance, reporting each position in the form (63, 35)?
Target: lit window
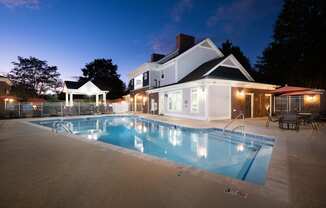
(175, 101)
(195, 100)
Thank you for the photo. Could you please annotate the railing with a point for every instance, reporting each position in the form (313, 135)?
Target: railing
(241, 114)
(63, 124)
(241, 127)
(51, 109)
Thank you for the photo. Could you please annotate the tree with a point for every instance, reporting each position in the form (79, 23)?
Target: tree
(228, 48)
(295, 54)
(103, 73)
(31, 76)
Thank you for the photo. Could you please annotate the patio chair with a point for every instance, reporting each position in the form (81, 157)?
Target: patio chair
(289, 121)
(271, 119)
(314, 121)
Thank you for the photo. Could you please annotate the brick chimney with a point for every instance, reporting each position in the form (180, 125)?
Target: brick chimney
(156, 57)
(184, 42)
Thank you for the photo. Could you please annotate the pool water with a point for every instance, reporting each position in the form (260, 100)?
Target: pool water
(234, 155)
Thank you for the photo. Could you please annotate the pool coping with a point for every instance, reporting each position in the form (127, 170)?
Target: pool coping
(245, 186)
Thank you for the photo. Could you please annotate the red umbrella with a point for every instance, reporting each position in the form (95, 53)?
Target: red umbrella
(289, 89)
(307, 92)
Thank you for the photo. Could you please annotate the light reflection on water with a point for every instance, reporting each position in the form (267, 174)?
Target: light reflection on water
(198, 148)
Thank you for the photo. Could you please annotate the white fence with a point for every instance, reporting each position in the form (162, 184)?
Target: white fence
(122, 107)
(48, 109)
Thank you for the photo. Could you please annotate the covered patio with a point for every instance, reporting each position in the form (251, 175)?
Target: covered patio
(89, 88)
(298, 100)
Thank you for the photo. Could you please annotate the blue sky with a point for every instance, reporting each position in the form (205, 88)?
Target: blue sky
(71, 33)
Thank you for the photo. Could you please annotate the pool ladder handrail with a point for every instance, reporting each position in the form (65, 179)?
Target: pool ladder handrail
(241, 114)
(63, 124)
(241, 127)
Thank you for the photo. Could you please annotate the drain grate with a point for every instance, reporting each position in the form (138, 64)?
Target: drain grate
(235, 192)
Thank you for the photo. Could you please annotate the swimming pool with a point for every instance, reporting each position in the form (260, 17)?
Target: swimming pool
(234, 155)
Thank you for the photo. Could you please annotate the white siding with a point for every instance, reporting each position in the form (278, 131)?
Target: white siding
(219, 102)
(152, 76)
(192, 59)
(169, 75)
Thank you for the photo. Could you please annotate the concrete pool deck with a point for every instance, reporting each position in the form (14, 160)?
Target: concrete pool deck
(42, 169)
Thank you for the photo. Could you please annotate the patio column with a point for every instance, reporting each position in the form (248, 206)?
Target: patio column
(104, 98)
(71, 100)
(96, 96)
(67, 99)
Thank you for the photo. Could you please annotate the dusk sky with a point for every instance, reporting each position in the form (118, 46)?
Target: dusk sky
(71, 33)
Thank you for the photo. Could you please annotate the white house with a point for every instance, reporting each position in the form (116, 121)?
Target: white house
(197, 81)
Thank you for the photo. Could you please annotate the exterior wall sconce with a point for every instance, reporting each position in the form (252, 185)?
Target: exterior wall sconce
(240, 94)
(310, 98)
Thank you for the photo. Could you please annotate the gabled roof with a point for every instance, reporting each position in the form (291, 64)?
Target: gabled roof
(230, 73)
(215, 69)
(169, 57)
(77, 85)
(201, 70)
(175, 54)
(73, 85)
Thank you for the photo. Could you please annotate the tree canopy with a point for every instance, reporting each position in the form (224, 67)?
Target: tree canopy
(32, 76)
(228, 48)
(103, 73)
(294, 56)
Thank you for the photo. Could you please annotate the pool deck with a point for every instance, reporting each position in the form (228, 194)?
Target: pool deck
(39, 168)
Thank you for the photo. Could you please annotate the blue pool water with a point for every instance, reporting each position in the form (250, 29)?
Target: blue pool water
(245, 158)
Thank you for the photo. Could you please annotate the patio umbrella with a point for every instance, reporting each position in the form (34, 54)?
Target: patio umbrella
(290, 89)
(306, 92)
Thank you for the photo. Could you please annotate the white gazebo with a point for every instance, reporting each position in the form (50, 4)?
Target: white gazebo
(89, 88)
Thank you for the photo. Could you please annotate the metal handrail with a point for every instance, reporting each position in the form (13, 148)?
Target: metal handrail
(242, 127)
(241, 114)
(63, 125)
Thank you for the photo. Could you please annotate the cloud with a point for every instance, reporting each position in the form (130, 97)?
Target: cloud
(21, 3)
(233, 13)
(164, 40)
(180, 9)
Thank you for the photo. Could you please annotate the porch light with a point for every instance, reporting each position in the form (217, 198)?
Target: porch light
(310, 98)
(240, 93)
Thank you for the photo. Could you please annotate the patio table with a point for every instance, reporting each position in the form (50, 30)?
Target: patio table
(304, 117)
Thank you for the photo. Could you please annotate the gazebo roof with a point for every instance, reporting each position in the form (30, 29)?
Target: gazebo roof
(89, 88)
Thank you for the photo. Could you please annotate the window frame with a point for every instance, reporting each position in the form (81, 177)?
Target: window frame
(174, 95)
(197, 89)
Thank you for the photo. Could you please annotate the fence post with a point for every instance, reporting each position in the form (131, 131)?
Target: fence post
(61, 109)
(19, 110)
